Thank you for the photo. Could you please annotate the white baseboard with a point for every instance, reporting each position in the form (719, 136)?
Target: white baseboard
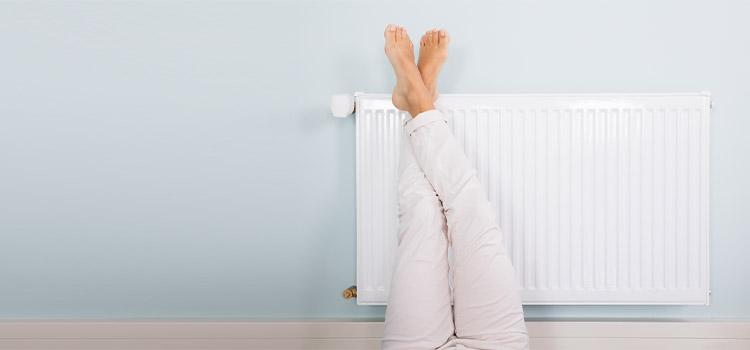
(353, 334)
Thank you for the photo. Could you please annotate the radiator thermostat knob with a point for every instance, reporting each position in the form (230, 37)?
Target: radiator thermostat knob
(342, 105)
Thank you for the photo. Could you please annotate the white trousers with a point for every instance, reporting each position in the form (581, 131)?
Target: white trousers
(442, 202)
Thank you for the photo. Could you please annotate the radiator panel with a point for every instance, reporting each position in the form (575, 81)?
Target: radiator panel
(601, 199)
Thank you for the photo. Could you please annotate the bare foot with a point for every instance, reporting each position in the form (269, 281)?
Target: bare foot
(433, 51)
(410, 93)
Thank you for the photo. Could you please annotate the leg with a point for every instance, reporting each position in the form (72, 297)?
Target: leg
(419, 313)
(487, 303)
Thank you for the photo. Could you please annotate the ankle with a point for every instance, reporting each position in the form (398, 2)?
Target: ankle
(419, 101)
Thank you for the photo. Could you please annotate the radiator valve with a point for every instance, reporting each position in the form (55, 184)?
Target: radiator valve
(350, 292)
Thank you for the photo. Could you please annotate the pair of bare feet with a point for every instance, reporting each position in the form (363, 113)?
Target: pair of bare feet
(416, 84)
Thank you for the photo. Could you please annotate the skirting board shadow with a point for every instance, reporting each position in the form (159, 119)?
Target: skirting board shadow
(353, 334)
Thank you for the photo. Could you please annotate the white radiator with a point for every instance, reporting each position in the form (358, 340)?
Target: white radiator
(601, 198)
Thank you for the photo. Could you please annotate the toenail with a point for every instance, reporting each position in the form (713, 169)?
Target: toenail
(442, 33)
(393, 28)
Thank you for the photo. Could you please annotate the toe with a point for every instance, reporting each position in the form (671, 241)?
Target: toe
(444, 38)
(399, 31)
(390, 31)
(434, 37)
(406, 38)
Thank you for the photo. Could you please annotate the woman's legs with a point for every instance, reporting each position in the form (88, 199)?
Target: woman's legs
(419, 313)
(487, 303)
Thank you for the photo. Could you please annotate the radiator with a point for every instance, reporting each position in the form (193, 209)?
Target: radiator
(601, 198)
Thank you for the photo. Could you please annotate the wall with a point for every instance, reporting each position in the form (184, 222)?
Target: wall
(178, 159)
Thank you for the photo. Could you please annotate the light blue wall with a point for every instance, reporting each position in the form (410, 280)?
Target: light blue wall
(179, 159)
